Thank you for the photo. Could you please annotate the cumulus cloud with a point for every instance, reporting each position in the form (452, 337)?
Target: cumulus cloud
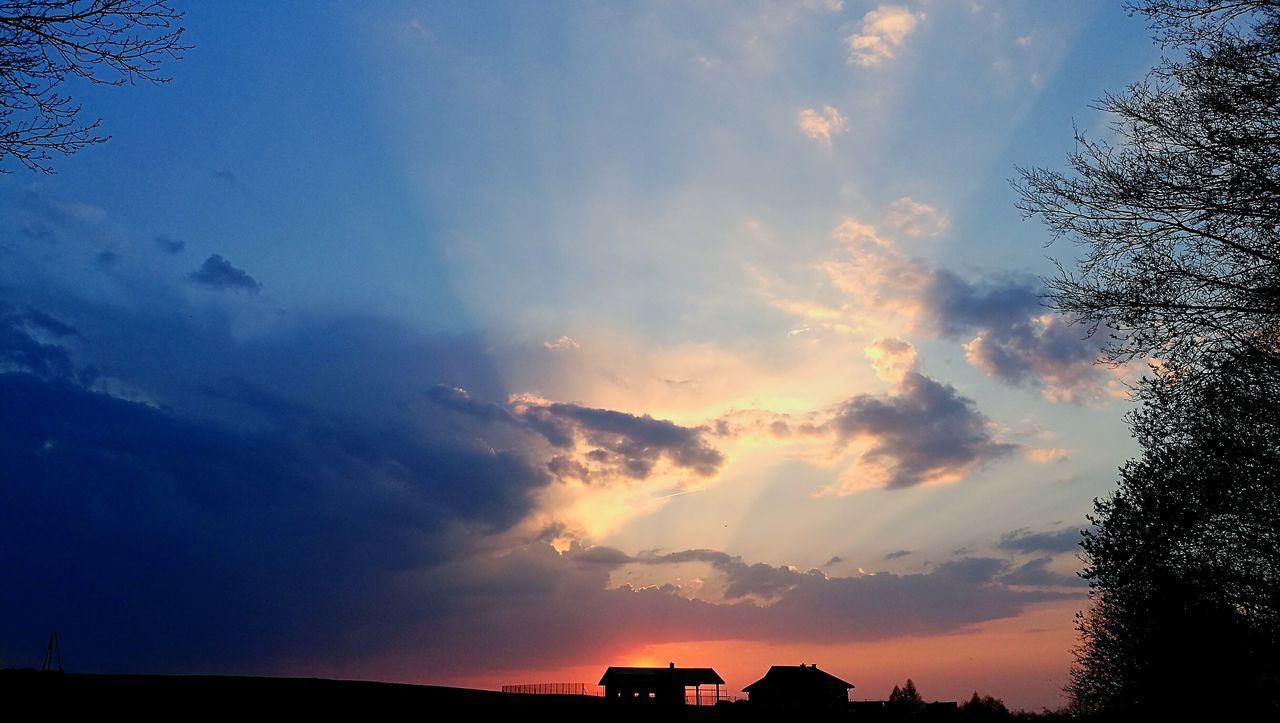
(923, 432)
(914, 219)
(218, 273)
(821, 126)
(881, 32)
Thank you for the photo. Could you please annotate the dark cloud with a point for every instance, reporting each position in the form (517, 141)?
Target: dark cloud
(835, 560)
(958, 306)
(1049, 352)
(1037, 573)
(22, 349)
(924, 431)
(227, 177)
(616, 442)
(1052, 542)
(191, 535)
(218, 273)
(806, 606)
(896, 554)
(170, 245)
(40, 321)
(637, 441)
(1011, 336)
(459, 400)
(106, 258)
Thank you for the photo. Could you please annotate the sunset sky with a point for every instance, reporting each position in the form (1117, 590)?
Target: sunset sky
(485, 343)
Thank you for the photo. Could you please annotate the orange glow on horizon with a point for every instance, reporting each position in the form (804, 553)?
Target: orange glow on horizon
(1022, 660)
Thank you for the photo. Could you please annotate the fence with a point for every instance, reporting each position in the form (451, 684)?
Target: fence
(550, 689)
(705, 695)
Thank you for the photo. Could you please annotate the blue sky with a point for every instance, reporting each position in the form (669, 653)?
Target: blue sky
(384, 328)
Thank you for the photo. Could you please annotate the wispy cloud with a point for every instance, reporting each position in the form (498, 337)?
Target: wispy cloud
(914, 219)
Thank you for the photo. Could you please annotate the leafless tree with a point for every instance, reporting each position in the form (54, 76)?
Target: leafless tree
(45, 43)
(1178, 217)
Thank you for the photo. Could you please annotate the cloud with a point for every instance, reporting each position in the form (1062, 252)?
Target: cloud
(877, 276)
(897, 554)
(1046, 351)
(229, 530)
(1045, 455)
(169, 244)
(1037, 573)
(999, 320)
(892, 358)
(247, 529)
(821, 126)
(218, 273)
(599, 444)
(28, 343)
(914, 219)
(561, 344)
(923, 432)
(881, 32)
(1052, 542)
(1011, 338)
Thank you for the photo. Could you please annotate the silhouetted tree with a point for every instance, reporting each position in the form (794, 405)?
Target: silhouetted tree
(43, 43)
(984, 708)
(1184, 558)
(906, 700)
(1179, 222)
(1179, 218)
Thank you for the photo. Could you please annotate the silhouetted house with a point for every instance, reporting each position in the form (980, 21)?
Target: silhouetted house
(798, 686)
(659, 685)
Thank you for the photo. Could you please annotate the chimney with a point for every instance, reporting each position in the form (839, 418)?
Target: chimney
(671, 665)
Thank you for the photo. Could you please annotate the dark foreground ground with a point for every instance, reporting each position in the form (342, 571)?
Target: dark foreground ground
(183, 697)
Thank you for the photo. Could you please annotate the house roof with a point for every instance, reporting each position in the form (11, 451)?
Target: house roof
(796, 676)
(656, 676)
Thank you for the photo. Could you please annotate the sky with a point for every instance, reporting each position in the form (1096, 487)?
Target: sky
(489, 343)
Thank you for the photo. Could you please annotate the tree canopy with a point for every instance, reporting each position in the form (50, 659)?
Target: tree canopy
(1184, 558)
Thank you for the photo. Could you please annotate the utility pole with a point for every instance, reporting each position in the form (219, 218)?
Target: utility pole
(52, 653)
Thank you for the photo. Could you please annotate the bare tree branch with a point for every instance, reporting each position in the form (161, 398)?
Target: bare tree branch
(43, 43)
